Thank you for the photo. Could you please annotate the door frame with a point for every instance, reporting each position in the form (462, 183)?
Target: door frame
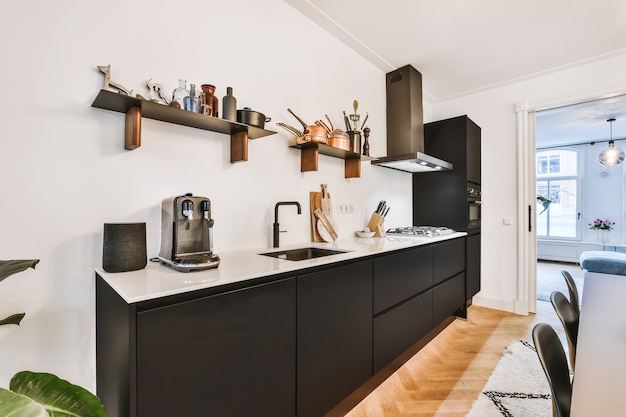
(526, 301)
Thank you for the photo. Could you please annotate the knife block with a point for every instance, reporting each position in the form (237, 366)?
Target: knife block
(377, 225)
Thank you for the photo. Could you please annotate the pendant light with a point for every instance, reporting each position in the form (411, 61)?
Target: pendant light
(611, 156)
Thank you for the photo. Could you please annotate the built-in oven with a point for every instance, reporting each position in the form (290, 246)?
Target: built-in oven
(474, 207)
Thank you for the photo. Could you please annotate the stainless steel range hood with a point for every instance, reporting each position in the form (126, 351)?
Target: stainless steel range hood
(405, 125)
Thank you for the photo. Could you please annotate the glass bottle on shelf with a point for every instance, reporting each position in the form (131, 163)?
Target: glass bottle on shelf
(181, 92)
(192, 102)
(210, 99)
(229, 106)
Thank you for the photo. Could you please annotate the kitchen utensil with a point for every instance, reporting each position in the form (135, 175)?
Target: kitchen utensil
(366, 144)
(329, 122)
(253, 118)
(325, 223)
(377, 224)
(304, 125)
(315, 198)
(355, 116)
(364, 121)
(355, 141)
(321, 124)
(323, 232)
(290, 129)
(347, 122)
(326, 206)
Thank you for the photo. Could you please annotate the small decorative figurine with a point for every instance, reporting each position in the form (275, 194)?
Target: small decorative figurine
(156, 92)
(111, 85)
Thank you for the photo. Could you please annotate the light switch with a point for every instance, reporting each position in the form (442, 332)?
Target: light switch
(507, 221)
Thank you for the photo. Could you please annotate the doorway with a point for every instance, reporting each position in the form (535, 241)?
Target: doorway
(534, 180)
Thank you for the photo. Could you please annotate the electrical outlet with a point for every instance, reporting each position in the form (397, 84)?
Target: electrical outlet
(345, 208)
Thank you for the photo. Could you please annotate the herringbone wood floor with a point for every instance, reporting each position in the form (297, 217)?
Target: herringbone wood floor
(445, 377)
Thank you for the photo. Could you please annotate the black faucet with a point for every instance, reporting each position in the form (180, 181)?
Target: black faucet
(282, 203)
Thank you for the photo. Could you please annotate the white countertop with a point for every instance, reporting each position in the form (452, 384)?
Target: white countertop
(157, 280)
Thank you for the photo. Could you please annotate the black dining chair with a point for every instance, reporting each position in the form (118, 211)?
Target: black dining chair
(565, 310)
(554, 363)
(573, 291)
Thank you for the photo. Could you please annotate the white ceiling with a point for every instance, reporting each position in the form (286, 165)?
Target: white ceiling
(464, 46)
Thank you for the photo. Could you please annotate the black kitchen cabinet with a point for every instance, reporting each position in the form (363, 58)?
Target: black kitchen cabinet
(405, 308)
(440, 198)
(448, 297)
(473, 265)
(334, 336)
(229, 354)
(458, 139)
(294, 344)
(399, 276)
(399, 328)
(448, 259)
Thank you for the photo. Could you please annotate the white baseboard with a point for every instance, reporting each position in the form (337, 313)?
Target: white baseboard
(495, 303)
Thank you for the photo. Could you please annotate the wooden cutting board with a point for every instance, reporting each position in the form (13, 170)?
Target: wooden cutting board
(316, 203)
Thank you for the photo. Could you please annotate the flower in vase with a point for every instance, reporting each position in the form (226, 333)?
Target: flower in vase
(599, 224)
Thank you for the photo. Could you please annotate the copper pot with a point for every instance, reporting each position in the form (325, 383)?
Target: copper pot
(339, 139)
(313, 133)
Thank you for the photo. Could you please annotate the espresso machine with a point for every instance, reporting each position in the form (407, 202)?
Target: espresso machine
(187, 233)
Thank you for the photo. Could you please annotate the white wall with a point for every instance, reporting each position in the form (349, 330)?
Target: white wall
(494, 111)
(64, 171)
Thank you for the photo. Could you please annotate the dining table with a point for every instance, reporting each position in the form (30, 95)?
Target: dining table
(599, 382)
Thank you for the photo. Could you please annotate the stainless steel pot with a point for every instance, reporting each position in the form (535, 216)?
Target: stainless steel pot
(252, 118)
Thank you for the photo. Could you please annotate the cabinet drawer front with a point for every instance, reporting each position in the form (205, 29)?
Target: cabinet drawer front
(400, 276)
(398, 329)
(448, 259)
(448, 297)
(204, 352)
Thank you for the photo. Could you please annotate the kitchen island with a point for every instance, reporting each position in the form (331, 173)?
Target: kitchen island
(270, 337)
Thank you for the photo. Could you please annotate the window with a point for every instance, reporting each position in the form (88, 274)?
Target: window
(558, 182)
(548, 164)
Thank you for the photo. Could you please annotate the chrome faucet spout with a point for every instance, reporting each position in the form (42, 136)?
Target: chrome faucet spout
(276, 227)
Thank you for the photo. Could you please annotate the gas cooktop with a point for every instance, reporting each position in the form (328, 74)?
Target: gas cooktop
(420, 231)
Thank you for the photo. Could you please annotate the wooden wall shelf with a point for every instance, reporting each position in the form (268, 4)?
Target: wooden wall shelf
(135, 109)
(310, 154)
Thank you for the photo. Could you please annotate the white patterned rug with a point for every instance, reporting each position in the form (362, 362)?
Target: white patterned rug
(517, 387)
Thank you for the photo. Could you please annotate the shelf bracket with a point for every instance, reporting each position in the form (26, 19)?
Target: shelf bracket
(352, 168)
(133, 128)
(308, 159)
(239, 146)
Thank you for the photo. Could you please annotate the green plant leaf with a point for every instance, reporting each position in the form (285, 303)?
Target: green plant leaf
(13, 319)
(8, 268)
(59, 397)
(12, 404)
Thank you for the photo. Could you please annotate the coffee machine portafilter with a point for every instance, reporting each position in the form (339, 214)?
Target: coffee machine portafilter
(187, 233)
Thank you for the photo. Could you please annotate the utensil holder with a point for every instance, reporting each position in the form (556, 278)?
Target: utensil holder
(355, 140)
(377, 225)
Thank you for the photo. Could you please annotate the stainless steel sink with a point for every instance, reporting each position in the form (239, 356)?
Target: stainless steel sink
(301, 254)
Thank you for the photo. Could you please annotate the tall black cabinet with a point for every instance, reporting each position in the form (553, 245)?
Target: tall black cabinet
(441, 198)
